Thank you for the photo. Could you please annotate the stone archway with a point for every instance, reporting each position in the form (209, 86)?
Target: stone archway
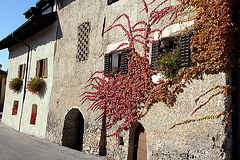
(73, 130)
(137, 143)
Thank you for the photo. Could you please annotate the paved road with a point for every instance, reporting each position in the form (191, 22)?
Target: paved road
(19, 146)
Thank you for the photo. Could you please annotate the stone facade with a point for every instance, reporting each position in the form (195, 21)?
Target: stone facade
(207, 139)
(63, 118)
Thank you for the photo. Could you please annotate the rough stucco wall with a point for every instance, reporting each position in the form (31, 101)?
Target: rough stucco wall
(207, 139)
(42, 46)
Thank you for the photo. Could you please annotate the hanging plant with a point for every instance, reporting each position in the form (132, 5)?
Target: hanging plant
(168, 60)
(15, 84)
(35, 85)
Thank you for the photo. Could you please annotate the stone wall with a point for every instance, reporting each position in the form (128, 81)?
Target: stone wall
(207, 139)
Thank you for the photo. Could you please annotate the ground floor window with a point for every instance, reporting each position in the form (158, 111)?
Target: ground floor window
(33, 114)
(15, 108)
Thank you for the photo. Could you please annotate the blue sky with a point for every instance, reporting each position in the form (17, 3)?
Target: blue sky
(11, 17)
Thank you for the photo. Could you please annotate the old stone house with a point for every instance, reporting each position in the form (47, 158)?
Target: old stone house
(72, 42)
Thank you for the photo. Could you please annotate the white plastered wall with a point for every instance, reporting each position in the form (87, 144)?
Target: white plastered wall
(42, 46)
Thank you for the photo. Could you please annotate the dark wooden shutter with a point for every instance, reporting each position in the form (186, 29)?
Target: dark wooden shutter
(185, 50)
(124, 61)
(37, 69)
(155, 52)
(107, 64)
(23, 70)
(45, 68)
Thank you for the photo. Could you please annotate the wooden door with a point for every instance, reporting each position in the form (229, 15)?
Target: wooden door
(140, 145)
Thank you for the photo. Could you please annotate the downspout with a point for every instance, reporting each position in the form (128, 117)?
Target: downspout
(25, 79)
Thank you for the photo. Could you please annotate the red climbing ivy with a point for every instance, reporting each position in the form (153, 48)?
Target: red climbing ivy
(122, 96)
(125, 98)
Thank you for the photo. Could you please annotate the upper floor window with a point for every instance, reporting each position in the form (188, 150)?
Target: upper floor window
(115, 62)
(41, 69)
(170, 45)
(83, 38)
(111, 1)
(21, 70)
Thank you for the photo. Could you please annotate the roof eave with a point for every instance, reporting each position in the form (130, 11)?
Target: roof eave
(28, 29)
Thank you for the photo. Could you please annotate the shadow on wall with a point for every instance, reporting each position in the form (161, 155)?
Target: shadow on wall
(64, 3)
(43, 42)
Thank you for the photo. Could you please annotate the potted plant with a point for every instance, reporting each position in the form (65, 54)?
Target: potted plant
(35, 85)
(15, 84)
(14, 110)
(33, 118)
(168, 61)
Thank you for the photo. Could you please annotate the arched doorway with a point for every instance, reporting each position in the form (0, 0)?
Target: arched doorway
(73, 130)
(137, 143)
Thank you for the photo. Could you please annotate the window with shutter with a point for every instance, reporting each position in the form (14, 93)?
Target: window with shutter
(41, 68)
(21, 70)
(155, 52)
(185, 50)
(111, 1)
(83, 38)
(37, 69)
(116, 62)
(45, 68)
(107, 64)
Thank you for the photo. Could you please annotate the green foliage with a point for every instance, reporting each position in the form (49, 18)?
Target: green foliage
(168, 61)
(15, 84)
(35, 85)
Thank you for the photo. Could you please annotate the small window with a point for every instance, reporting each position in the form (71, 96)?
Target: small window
(169, 43)
(41, 69)
(33, 114)
(83, 39)
(115, 62)
(15, 108)
(21, 70)
(111, 1)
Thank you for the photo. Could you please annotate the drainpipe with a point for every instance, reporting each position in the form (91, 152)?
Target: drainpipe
(25, 78)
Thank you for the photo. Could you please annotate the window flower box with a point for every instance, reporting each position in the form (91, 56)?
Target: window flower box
(35, 85)
(15, 84)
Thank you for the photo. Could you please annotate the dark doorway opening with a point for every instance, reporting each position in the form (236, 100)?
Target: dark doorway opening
(103, 140)
(137, 143)
(73, 130)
